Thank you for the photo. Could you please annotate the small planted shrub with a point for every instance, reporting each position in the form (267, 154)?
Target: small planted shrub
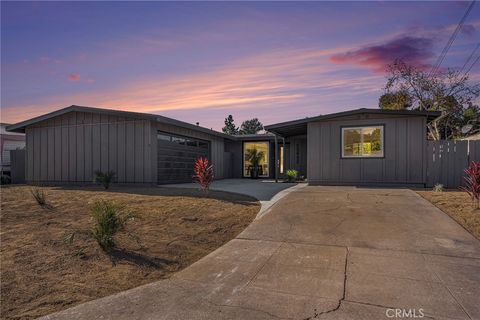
(39, 195)
(203, 174)
(104, 178)
(4, 179)
(291, 175)
(438, 187)
(472, 182)
(109, 218)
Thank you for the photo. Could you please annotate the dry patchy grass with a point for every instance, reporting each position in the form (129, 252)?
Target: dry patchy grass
(457, 205)
(43, 273)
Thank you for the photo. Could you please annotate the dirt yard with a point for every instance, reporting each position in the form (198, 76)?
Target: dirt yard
(42, 272)
(457, 205)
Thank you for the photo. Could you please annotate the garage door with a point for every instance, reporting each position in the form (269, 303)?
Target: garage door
(177, 155)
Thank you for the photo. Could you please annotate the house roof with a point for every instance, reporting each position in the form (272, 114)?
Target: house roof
(20, 127)
(298, 127)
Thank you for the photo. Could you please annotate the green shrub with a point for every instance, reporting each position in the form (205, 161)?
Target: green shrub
(438, 187)
(109, 218)
(4, 179)
(291, 175)
(104, 178)
(39, 195)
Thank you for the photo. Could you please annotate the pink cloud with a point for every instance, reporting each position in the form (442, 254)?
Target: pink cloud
(413, 50)
(74, 77)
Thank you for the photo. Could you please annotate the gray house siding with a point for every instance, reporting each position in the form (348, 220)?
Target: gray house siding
(404, 152)
(235, 149)
(295, 154)
(71, 147)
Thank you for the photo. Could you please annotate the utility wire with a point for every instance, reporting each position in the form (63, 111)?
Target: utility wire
(470, 57)
(450, 40)
(471, 66)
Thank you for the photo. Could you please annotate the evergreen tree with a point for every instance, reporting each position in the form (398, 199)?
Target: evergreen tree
(251, 126)
(230, 126)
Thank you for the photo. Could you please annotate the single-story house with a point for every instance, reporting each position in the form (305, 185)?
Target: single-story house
(363, 146)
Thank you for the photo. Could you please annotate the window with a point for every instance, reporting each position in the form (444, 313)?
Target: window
(362, 142)
(184, 141)
(164, 137)
(261, 148)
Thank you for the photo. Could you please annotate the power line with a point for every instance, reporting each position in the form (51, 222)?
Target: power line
(470, 57)
(451, 39)
(471, 66)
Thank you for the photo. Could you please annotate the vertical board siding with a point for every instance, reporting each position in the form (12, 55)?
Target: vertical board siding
(130, 151)
(80, 147)
(139, 144)
(121, 155)
(403, 161)
(71, 147)
(51, 153)
(447, 160)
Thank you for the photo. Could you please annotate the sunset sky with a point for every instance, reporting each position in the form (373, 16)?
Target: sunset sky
(200, 61)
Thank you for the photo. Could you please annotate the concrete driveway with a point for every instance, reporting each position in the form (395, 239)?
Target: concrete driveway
(321, 253)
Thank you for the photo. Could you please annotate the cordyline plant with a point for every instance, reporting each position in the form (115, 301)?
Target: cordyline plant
(203, 173)
(472, 182)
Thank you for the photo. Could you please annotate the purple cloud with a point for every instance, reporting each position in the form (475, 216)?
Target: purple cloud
(74, 77)
(412, 50)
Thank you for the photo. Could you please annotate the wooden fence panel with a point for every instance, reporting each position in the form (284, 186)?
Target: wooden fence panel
(447, 160)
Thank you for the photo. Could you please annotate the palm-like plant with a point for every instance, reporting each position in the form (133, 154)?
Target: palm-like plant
(472, 182)
(254, 157)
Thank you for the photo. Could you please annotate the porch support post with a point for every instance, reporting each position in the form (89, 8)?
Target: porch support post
(277, 162)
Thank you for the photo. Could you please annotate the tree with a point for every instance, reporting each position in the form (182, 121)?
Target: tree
(230, 126)
(395, 101)
(251, 126)
(448, 91)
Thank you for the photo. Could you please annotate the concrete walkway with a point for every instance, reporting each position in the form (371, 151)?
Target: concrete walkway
(266, 191)
(321, 253)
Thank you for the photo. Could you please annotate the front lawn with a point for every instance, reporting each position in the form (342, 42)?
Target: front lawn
(457, 205)
(43, 272)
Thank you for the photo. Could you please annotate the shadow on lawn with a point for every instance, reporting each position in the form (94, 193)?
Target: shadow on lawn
(235, 198)
(123, 255)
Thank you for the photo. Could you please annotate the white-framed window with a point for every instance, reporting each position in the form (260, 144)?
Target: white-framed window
(363, 142)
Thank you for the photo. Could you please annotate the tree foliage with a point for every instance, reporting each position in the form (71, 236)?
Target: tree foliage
(395, 101)
(448, 91)
(251, 126)
(230, 127)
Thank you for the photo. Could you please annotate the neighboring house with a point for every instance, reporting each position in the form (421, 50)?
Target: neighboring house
(9, 141)
(364, 146)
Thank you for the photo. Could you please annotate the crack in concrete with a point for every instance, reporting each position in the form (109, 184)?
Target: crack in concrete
(317, 314)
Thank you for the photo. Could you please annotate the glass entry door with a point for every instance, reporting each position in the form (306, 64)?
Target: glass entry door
(262, 151)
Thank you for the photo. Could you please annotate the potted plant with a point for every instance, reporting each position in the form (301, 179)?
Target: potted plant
(255, 157)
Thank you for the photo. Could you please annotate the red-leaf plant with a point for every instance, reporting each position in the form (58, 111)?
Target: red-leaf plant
(472, 182)
(203, 173)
